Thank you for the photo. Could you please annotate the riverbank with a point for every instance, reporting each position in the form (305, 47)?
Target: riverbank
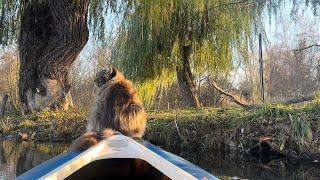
(274, 130)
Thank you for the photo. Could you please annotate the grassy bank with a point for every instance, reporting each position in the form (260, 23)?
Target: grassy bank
(293, 131)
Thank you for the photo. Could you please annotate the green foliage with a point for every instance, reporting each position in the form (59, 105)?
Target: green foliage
(300, 129)
(273, 112)
(147, 90)
(153, 33)
(317, 97)
(73, 114)
(5, 125)
(27, 123)
(299, 118)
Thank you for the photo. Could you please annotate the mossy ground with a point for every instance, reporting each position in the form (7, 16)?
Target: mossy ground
(289, 129)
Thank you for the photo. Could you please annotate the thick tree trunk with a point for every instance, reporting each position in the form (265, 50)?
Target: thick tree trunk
(52, 34)
(185, 79)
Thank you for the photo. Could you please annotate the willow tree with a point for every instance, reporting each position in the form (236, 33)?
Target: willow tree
(162, 38)
(50, 34)
(180, 37)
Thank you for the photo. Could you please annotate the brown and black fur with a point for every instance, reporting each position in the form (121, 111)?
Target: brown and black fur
(117, 108)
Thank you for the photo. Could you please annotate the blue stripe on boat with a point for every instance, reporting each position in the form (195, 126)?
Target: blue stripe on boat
(178, 161)
(44, 168)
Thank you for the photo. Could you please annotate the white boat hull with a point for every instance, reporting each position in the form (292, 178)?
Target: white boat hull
(119, 146)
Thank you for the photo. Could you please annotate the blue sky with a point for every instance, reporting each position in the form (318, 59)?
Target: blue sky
(291, 26)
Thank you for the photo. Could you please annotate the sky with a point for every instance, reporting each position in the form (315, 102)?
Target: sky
(303, 22)
(283, 30)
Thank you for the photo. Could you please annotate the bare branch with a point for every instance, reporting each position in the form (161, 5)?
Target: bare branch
(242, 3)
(232, 97)
(304, 48)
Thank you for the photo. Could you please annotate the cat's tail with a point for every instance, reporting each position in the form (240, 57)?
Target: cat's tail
(107, 132)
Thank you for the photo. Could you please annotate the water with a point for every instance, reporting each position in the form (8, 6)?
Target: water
(228, 166)
(16, 158)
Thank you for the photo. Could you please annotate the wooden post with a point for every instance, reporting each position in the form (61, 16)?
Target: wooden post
(3, 105)
(261, 68)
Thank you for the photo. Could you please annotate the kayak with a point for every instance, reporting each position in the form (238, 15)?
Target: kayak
(117, 156)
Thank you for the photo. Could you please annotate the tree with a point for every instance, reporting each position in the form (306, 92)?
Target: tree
(183, 37)
(9, 67)
(187, 37)
(52, 34)
(159, 38)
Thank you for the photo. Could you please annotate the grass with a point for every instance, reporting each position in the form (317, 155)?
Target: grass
(300, 130)
(47, 125)
(294, 127)
(5, 125)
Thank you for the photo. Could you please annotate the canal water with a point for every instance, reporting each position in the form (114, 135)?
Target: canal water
(16, 158)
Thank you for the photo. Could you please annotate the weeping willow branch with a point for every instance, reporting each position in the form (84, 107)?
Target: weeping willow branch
(232, 97)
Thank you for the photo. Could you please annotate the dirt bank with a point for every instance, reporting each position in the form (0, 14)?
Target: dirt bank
(274, 131)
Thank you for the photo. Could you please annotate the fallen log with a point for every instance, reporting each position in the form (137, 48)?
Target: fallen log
(231, 96)
(298, 100)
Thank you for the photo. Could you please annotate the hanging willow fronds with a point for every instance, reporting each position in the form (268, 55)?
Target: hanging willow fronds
(153, 32)
(99, 10)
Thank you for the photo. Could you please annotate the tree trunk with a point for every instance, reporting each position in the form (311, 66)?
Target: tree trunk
(3, 105)
(52, 34)
(185, 79)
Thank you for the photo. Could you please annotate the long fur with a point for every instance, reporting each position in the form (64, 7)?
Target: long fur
(117, 108)
(90, 138)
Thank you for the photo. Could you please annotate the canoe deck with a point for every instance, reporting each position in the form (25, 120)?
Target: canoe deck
(118, 156)
(118, 167)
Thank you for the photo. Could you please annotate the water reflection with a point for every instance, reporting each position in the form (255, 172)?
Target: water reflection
(226, 166)
(16, 158)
